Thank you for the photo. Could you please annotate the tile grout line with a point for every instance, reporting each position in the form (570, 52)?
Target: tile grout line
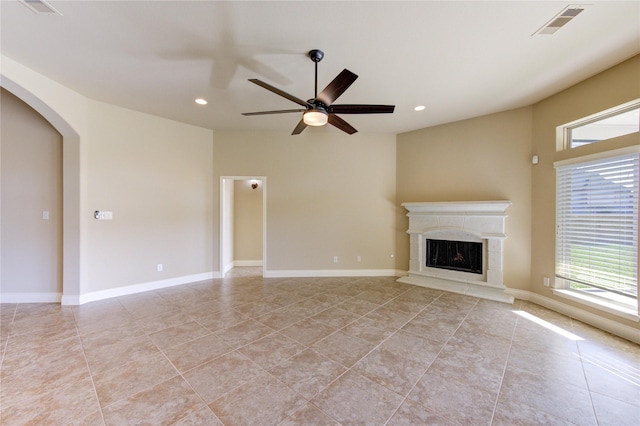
(307, 347)
(347, 369)
(374, 348)
(144, 333)
(84, 355)
(504, 370)
(178, 373)
(274, 331)
(404, 399)
(187, 382)
(584, 373)
(6, 344)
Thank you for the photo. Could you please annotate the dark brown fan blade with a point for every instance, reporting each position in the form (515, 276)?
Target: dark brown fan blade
(337, 87)
(361, 109)
(281, 111)
(278, 92)
(299, 128)
(341, 124)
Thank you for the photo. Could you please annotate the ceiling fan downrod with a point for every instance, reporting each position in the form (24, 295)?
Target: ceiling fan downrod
(316, 56)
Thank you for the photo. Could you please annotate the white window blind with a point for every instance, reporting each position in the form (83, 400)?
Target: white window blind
(597, 224)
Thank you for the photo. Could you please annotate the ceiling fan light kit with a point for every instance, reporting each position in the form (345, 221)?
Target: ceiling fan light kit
(315, 117)
(320, 110)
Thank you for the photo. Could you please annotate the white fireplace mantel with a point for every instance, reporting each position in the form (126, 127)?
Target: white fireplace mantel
(457, 207)
(478, 221)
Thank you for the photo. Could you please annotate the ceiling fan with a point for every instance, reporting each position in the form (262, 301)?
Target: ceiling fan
(320, 110)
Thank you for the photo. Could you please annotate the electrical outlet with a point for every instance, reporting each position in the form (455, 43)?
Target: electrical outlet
(546, 281)
(359, 258)
(159, 267)
(335, 259)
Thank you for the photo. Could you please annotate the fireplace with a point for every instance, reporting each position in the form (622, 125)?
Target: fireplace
(465, 256)
(458, 247)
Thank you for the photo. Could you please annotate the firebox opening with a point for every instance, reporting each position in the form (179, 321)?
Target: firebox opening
(462, 256)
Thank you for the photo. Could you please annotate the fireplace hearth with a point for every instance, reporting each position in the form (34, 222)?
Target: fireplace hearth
(458, 247)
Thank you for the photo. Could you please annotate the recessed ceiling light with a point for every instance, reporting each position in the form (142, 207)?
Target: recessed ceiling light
(419, 108)
(201, 101)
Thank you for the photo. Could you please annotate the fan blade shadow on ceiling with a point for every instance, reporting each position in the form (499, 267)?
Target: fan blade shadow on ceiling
(227, 59)
(226, 54)
(279, 92)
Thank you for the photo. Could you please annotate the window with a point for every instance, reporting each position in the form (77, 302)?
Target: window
(606, 128)
(597, 225)
(619, 121)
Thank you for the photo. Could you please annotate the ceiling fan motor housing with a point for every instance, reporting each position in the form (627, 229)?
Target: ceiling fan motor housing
(316, 55)
(316, 104)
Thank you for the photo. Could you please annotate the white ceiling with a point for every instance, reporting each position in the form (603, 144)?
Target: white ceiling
(458, 58)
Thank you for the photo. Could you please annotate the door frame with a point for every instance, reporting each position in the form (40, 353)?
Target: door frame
(224, 219)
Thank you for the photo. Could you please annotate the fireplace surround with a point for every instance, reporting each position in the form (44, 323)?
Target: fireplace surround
(479, 222)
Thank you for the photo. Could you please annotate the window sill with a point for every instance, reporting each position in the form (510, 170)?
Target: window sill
(622, 310)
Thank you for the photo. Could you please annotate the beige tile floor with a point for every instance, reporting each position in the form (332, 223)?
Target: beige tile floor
(251, 351)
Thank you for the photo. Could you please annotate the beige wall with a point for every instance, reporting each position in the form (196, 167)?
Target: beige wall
(328, 194)
(31, 175)
(484, 158)
(156, 176)
(247, 224)
(613, 87)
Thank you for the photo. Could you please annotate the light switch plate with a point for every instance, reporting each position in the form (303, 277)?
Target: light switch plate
(103, 215)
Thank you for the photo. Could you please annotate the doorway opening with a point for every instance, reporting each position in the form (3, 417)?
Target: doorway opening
(71, 178)
(243, 222)
(31, 261)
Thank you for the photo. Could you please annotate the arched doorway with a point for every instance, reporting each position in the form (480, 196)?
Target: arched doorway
(71, 184)
(31, 174)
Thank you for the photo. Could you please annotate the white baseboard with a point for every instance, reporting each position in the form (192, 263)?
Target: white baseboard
(70, 300)
(139, 288)
(518, 294)
(226, 268)
(302, 273)
(613, 327)
(30, 297)
(247, 263)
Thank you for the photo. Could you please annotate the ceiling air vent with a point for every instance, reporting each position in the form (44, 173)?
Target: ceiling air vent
(40, 7)
(560, 20)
